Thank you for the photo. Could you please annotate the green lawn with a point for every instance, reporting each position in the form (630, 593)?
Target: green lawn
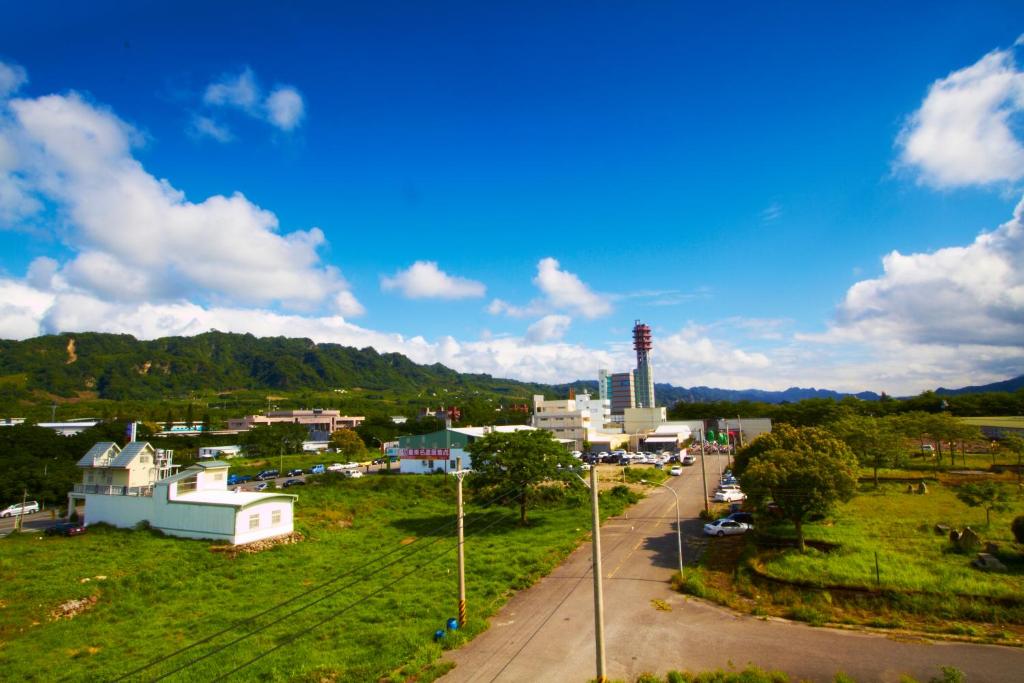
(900, 528)
(160, 594)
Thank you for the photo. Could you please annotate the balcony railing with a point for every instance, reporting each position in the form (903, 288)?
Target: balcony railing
(110, 490)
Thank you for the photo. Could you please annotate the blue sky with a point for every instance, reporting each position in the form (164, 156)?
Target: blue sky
(734, 177)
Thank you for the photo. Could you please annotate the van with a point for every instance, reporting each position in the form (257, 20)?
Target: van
(18, 509)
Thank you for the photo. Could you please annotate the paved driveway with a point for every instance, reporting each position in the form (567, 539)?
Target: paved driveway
(546, 632)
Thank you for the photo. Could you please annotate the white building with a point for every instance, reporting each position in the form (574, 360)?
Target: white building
(125, 487)
(220, 452)
(69, 428)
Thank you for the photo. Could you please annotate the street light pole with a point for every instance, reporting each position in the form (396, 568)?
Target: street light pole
(462, 540)
(703, 472)
(679, 526)
(598, 589)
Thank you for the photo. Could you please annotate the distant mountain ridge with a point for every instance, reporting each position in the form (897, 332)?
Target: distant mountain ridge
(119, 366)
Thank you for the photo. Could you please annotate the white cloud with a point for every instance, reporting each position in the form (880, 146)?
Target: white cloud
(565, 290)
(502, 307)
(424, 280)
(204, 126)
(549, 328)
(284, 108)
(239, 91)
(12, 77)
(139, 238)
(962, 134)
(772, 213)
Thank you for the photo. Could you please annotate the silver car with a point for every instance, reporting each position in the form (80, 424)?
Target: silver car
(725, 527)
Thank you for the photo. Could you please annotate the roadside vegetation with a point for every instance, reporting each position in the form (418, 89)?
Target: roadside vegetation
(142, 596)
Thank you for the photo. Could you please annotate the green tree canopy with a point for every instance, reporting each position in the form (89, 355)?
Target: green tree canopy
(272, 439)
(875, 441)
(348, 444)
(804, 471)
(987, 494)
(517, 462)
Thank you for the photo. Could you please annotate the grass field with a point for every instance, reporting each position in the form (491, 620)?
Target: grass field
(155, 595)
(921, 583)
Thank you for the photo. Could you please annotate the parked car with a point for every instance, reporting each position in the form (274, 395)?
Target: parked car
(728, 487)
(267, 474)
(725, 527)
(293, 482)
(744, 517)
(688, 459)
(297, 472)
(18, 509)
(65, 529)
(676, 471)
(262, 486)
(317, 469)
(234, 479)
(673, 458)
(729, 496)
(336, 467)
(354, 474)
(585, 467)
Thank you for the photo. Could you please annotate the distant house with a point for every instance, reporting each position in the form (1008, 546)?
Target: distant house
(123, 487)
(219, 452)
(441, 451)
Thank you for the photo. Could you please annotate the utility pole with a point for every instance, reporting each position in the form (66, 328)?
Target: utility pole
(703, 472)
(598, 590)
(53, 413)
(459, 474)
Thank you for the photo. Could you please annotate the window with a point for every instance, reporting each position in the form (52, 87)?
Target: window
(451, 464)
(275, 517)
(254, 521)
(219, 476)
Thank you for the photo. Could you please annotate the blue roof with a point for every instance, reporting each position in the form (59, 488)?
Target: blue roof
(130, 452)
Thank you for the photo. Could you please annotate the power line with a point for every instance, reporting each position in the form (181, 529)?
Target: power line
(335, 615)
(304, 594)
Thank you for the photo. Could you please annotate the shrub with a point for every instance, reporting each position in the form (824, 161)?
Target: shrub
(1018, 528)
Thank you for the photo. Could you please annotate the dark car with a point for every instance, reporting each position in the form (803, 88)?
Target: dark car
(238, 479)
(293, 482)
(262, 486)
(65, 529)
(267, 474)
(744, 517)
(297, 472)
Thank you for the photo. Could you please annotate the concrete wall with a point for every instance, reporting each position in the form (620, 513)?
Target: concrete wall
(266, 529)
(120, 511)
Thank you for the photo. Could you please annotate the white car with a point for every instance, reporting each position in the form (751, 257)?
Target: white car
(18, 509)
(676, 471)
(353, 474)
(725, 527)
(729, 496)
(689, 459)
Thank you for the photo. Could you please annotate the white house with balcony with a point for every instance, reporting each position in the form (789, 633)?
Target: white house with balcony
(123, 487)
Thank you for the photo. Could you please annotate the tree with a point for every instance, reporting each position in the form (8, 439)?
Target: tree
(276, 438)
(1014, 444)
(804, 471)
(873, 440)
(520, 461)
(987, 494)
(348, 443)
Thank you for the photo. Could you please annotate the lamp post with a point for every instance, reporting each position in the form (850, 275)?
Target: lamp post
(598, 588)
(679, 526)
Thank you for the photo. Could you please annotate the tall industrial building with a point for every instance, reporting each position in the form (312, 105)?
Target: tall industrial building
(644, 380)
(622, 392)
(604, 384)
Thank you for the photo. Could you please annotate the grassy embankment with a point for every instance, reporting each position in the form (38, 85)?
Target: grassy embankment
(921, 582)
(155, 594)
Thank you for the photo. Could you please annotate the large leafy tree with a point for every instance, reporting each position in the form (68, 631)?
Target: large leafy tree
(348, 443)
(804, 471)
(875, 441)
(276, 438)
(518, 462)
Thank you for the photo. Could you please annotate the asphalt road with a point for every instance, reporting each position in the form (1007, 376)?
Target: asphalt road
(34, 522)
(546, 632)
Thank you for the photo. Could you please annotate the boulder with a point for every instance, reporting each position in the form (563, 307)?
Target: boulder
(989, 563)
(992, 548)
(922, 488)
(941, 529)
(910, 488)
(969, 540)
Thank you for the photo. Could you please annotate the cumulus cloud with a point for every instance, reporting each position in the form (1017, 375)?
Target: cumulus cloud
(563, 291)
(424, 280)
(549, 328)
(962, 134)
(283, 108)
(12, 77)
(136, 237)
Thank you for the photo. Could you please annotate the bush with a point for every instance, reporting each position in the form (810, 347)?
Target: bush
(1018, 528)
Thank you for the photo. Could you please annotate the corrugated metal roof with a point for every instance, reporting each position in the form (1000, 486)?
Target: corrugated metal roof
(211, 464)
(130, 452)
(97, 452)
